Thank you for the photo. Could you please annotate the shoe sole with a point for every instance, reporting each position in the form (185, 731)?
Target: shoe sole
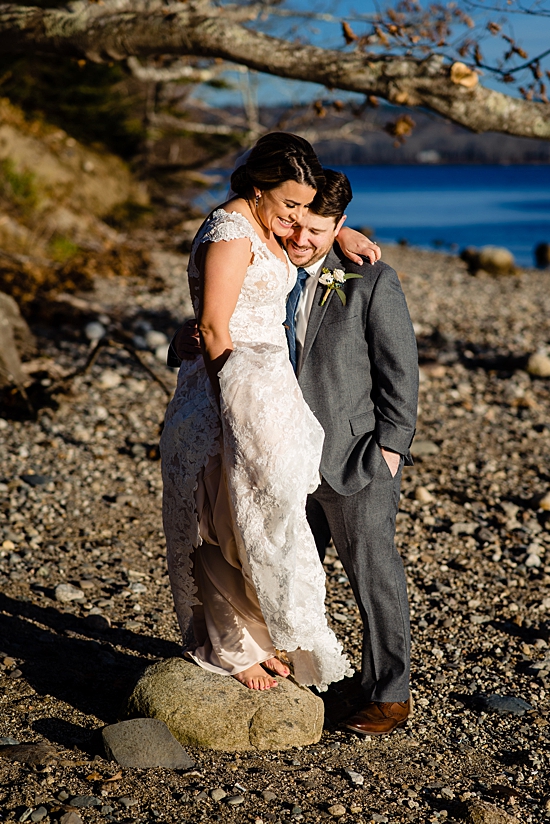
(364, 732)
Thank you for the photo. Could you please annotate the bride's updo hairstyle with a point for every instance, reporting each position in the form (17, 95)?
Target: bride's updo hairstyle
(275, 158)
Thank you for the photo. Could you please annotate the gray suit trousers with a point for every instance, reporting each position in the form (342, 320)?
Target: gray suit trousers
(362, 527)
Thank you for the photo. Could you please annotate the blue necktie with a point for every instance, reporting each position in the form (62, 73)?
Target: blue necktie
(291, 307)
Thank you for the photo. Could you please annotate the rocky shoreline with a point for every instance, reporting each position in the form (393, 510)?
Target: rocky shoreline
(80, 496)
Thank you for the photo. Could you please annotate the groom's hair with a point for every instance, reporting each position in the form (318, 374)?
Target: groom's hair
(334, 197)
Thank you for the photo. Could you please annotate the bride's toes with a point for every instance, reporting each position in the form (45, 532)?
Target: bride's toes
(255, 678)
(276, 666)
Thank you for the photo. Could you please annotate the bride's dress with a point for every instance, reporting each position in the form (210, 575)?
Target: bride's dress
(271, 446)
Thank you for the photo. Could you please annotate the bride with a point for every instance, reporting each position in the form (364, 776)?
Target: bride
(241, 449)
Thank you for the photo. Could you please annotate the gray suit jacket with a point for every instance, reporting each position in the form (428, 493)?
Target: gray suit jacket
(359, 373)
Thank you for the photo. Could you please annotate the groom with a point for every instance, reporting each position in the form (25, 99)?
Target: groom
(358, 370)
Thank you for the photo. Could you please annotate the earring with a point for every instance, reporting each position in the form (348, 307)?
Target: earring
(257, 201)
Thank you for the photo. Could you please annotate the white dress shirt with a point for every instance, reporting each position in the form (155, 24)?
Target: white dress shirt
(306, 302)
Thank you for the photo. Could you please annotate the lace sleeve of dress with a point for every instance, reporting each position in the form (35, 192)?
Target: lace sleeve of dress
(224, 225)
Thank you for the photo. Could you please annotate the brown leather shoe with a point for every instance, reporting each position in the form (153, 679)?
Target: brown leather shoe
(379, 717)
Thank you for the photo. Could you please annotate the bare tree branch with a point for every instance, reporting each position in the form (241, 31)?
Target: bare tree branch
(172, 73)
(179, 124)
(119, 29)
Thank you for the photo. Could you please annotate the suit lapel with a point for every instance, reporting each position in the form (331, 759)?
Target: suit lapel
(332, 261)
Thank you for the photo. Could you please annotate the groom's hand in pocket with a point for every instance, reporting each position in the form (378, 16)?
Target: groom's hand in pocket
(392, 459)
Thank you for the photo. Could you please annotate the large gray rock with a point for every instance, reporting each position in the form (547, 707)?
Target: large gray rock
(144, 743)
(203, 709)
(480, 812)
(15, 338)
(493, 259)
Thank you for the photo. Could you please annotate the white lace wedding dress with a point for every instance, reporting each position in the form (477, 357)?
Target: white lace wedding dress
(271, 446)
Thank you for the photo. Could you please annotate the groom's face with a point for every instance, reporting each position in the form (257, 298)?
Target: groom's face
(311, 239)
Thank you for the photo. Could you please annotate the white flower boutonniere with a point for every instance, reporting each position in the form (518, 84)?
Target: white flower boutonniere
(334, 281)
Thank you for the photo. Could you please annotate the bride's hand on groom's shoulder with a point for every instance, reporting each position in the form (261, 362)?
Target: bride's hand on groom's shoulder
(353, 244)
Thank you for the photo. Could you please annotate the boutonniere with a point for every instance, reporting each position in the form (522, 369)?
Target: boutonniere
(334, 281)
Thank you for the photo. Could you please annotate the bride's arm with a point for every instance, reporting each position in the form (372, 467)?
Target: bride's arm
(223, 269)
(353, 244)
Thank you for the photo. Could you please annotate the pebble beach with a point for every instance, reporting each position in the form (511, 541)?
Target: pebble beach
(85, 604)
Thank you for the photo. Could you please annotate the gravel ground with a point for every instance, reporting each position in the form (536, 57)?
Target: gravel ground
(80, 500)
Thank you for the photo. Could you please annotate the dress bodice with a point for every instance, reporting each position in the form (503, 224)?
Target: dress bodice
(260, 311)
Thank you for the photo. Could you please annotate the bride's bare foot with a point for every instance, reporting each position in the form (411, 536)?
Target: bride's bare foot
(276, 666)
(256, 678)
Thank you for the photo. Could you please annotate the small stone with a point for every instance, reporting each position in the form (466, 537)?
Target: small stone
(155, 339)
(235, 800)
(421, 449)
(486, 536)
(63, 795)
(109, 379)
(355, 778)
(217, 794)
(128, 802)
(544, 502)
(94, 330)
(267, 795)
(36, 480)
(533, 561)
(139, 342)
(161, 352)
(82, 434)
(132, 625)
(8, 739)
(86, 801)
(144, 743)
(463, 528)
(39, 814)
(98, 622)
(479, 619)
(503, 704)
(9, 662)
(137, 588)
(538, 365)
(70, 818)
(379, 818)
(8, 545)
(337, 810)
(423, 495)
(65, 593)
(107, 809)
(16, 673)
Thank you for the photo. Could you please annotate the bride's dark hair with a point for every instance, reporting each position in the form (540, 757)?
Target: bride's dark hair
(275, 158)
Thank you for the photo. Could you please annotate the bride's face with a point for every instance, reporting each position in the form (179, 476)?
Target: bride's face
(280, 208)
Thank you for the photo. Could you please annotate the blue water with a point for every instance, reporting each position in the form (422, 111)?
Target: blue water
(446, 207)
(451, 207)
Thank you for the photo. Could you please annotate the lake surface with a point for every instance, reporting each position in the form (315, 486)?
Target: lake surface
(451, 207)
(445, 207)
